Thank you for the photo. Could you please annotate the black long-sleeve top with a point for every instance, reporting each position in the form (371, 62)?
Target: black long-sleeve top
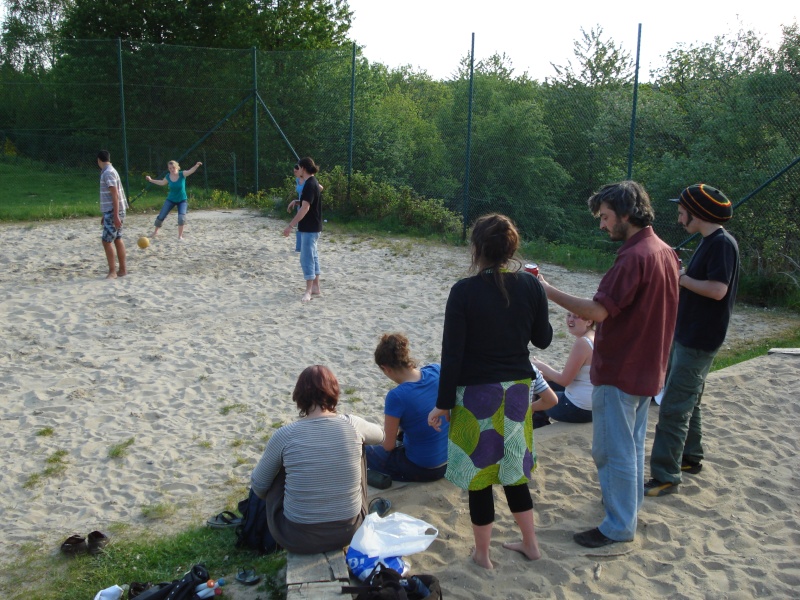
(485, 340)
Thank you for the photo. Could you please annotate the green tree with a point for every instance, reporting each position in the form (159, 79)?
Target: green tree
(587, 106)
(29, 33)
(264, 24)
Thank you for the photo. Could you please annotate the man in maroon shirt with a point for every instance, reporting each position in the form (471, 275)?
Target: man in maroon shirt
(635, 308)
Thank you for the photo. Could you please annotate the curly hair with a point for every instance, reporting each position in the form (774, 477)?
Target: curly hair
(625, 198)
(316, 387)
(393, 352)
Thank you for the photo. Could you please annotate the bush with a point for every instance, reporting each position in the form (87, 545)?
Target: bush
(395, 208)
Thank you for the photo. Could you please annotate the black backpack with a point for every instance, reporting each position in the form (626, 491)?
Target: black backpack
(387, 584)
(182, 589)
(253, 532)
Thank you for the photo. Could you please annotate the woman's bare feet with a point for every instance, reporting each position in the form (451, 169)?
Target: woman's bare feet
(531, 553)
(112, 275)
(481, 561)
(306, 297)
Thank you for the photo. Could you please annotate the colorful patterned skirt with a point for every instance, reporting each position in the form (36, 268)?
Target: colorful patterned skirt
(491, 435)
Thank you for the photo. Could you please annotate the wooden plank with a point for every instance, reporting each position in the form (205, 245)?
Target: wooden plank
(311, 568)
(331, 590)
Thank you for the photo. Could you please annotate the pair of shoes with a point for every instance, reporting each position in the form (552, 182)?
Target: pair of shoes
(380, 506)
(223, 520)
(594, 538)
(77, 544)
(378, 480)
(247, 576)
(690, 466)
(655, 488)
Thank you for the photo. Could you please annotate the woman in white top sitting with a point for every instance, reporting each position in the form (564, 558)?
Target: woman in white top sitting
(575, 393)
(312, 475)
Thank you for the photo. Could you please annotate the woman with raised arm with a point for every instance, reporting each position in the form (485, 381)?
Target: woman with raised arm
(176, 180)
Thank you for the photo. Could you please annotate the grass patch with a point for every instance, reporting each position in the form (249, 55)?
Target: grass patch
(353, 400)
(45, 431)
(121, 449)
(350, 390)
(746, 350)
(229, 408)
(567, 256)
(55, 464)
(138, 556)
(159, 510)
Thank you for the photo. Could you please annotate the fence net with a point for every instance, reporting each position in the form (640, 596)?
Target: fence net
(482, 142)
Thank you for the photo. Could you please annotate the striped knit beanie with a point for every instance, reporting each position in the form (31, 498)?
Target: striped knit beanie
(706, 202)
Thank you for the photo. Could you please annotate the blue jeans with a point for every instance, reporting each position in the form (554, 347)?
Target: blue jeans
(309, 257)
(679, 429)
(619, 427)
(566, 412)
(167, 208)
(396, 465)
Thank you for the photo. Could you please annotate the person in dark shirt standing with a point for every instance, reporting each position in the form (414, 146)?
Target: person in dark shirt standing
(309, 223)
(707, 294)
(635, 306)
(486, 381)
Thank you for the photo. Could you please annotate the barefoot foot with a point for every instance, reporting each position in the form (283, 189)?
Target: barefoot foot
(481, 561)
(531, 553)
(306, 298)
(111, 275)
(122, 273)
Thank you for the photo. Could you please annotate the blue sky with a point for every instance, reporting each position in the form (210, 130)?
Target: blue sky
(434, 34)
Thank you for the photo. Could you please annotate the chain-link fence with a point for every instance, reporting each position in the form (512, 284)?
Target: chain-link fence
(482, 141)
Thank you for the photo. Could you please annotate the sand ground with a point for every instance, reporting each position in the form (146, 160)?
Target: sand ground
(194, 355)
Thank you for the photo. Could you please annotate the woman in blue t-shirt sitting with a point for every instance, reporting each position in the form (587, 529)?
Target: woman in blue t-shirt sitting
(411, 450)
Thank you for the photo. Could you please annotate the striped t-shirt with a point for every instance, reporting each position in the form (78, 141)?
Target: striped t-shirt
(322, 457)
(110, 178)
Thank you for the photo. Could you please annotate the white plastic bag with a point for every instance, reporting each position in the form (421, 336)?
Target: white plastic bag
(385, 540)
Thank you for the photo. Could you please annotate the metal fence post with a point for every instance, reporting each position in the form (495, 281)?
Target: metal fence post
(255, 121)
(122, 111)
(469, 136)
(635, 101)
(352, 121)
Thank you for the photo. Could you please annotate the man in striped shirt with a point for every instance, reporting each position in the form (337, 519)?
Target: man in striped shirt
(113, 205)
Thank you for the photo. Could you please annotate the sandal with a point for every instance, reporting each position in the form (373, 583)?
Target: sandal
(74, 545)
(247, 576)
(224, 519)
(96, 541)
(380, 506)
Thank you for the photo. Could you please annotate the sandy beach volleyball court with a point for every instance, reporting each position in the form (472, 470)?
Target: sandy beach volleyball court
(194, 355)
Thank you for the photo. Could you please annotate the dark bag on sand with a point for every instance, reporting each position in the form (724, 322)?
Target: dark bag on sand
(253, 532)
(182, 589)
(388, 584)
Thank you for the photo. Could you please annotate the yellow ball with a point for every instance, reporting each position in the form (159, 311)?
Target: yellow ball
(143, 242)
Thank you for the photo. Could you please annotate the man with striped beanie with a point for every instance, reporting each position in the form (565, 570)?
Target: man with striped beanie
(707, 293)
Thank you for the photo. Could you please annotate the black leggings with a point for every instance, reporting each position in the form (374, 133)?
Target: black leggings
(481, 502)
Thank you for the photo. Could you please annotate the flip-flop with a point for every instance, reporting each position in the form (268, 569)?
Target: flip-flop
(74, 545)
(247, 576)
(380, 506)
(224, 519)
(96, 541)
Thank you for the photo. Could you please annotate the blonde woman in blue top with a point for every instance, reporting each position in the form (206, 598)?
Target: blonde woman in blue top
(176, 180)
